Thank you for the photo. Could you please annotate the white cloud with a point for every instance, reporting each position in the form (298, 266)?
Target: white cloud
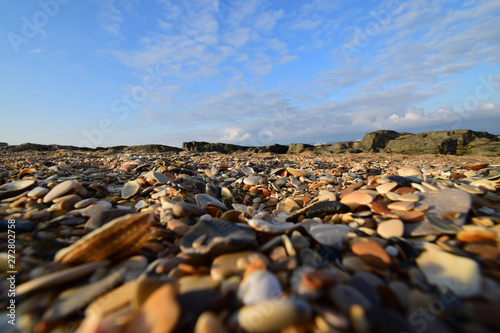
(306, 24)
(265, 21)
(234, 135)
(237, 37)
(110, 17)
(384, 87)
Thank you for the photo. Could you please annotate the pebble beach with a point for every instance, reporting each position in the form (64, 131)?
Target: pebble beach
(249, 242)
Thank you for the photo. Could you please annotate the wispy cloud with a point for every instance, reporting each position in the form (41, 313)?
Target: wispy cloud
(111, 18)
(416, 55)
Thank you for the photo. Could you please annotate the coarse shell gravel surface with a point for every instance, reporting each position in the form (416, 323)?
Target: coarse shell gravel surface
(208, 242)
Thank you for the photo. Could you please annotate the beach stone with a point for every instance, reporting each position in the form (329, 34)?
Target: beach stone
(330, 235)
(59, 277)
(297, 172)
(420, 187)
(409, 171)
(470, 189)
(67, 202)
(392, 251)
(37, 192)
(274, 315)
(408, 216)
(259, 286)
(410, 197)
(128, 166)
(291, 203)
(220, 237)
(208, 323)
(325, 195)
(185, 209)
(60, 190)
(475, 167)
(104, 216)
(178, 226)
(393, 196)
(130, 189)
(270, 225)
(442, 202)
(190, 283)
(403, 181)
(160, 312)
(14, 188)
(142, 288)
(461, 275)
(230, 264)
(357, 197)
(206, 200)
(84, 203)
(72, 299)
(324, 208)
(367, 289)
(405, 190)
(253, 180)
(372, 253)
(401, 205)
(379, 207)
(475, 235)
(488, 252)
(91, 210)
(387, 187)
(158, 177)
(345, 296)
(391, 228)
(430, 186)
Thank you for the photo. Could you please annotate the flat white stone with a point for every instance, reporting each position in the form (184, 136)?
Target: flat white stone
(254, 180)
(60, 190)
(259, 286)
(37, 192)
(461, 275)
(387, 187)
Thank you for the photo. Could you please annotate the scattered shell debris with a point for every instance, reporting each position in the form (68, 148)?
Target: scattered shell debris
(209, 242)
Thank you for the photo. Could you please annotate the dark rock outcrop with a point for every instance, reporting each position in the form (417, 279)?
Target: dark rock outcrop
(274, 148)
(151, 149)
(438, 142)
(339, 148)
(200, 146)
(116, 149)
(297, 148)
(375, 141)
(456, 142)
(227, 148)
(38, 147)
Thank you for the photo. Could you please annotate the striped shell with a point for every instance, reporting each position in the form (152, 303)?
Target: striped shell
(117, 239)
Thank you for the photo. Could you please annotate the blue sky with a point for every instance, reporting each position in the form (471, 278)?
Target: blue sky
(250, 72)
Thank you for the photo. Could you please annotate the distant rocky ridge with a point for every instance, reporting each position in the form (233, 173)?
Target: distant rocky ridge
(456, 142)
(226, 148)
